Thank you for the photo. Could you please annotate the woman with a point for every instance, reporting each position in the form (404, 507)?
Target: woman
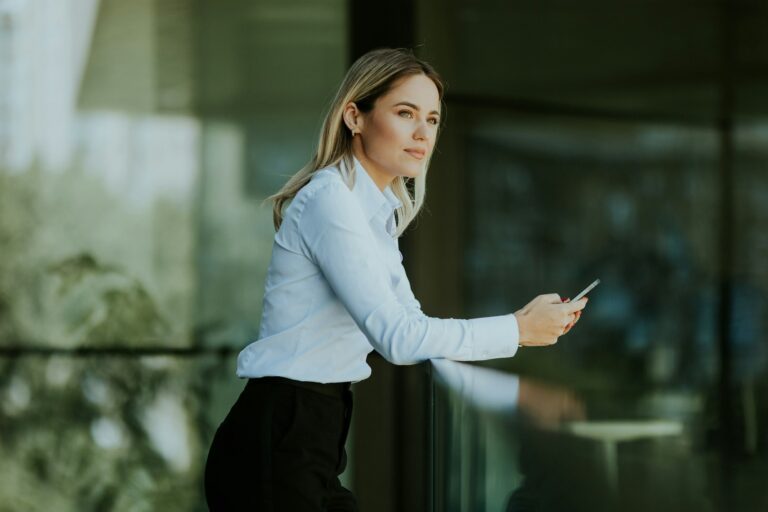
(336, 290)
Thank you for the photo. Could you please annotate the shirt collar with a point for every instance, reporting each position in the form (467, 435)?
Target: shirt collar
(371, 198)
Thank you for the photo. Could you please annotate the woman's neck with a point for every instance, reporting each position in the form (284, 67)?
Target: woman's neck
(380, 178)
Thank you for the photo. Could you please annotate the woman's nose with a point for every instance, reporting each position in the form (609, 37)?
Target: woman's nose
(421, 132)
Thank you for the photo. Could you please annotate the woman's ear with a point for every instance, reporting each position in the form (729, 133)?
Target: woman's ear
(352, 117)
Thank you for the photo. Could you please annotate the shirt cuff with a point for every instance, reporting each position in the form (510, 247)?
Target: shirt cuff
(495, 336)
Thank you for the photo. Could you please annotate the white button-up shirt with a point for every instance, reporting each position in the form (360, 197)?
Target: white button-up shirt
(336, 290)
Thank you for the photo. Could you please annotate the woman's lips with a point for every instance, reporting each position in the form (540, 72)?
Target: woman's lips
(416, 153)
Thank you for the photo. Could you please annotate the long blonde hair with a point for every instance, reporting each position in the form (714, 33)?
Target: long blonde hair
(370, 77)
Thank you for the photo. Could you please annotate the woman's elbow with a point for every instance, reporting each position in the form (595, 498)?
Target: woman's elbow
(400, 359)
(399, 341)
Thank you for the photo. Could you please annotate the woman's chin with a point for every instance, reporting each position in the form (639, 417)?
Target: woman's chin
(410, 171)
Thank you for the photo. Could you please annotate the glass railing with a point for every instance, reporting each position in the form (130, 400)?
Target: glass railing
(503, 442)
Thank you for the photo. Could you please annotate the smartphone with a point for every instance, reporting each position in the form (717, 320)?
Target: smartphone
(586, 290)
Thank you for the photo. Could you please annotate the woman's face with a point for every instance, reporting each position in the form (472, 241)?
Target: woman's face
(397, 136)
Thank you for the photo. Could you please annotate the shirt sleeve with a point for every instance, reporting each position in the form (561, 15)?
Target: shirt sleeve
(337, 237)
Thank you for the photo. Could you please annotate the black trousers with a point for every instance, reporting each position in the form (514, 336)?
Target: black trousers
(281, 449)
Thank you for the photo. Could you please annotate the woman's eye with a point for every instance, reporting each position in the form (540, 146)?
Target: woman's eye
(435, 121)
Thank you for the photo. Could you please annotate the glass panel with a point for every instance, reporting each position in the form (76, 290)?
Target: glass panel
(750, 253)
(591, 147)
(137, 142)
(557, 203)
(109, 433)
(140, 141)
(514, 443)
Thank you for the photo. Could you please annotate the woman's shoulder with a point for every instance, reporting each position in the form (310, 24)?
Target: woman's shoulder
(325, 200)
(326, 188)
(325, 177)
(326, 191)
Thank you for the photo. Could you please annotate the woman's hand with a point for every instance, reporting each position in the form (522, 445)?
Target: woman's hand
(577, 315)
(547, 317)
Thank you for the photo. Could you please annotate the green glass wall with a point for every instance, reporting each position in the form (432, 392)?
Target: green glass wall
(626, 142)
(137, 143)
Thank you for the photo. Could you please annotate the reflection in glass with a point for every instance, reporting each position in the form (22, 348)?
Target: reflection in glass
(558, 203)
(555, 448)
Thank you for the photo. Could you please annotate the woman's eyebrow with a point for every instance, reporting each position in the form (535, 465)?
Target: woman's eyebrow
(409, 104)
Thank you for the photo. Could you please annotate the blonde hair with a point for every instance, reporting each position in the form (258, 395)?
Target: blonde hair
(370, 77)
